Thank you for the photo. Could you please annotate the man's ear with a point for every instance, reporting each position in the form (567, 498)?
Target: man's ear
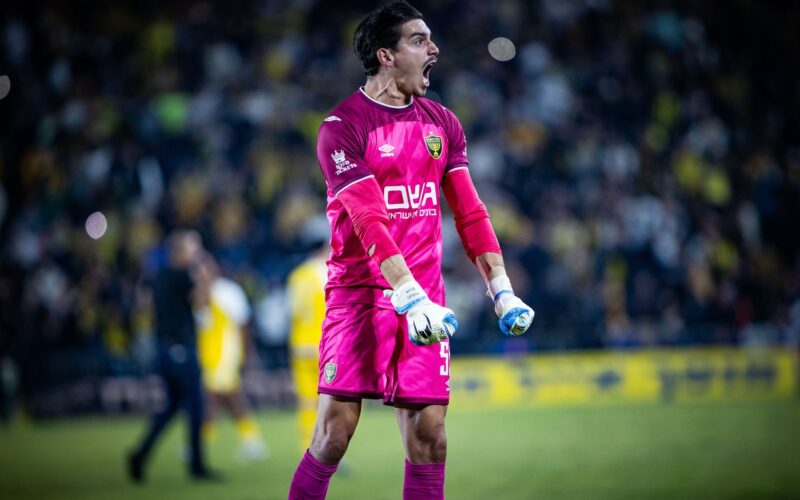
(385, 57)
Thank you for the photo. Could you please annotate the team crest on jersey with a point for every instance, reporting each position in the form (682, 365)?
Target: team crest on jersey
(330, 372)
(434, 145)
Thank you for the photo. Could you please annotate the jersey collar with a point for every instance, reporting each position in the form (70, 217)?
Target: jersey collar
(388, 106)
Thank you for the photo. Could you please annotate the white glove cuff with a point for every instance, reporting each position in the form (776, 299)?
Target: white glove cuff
(499, 286)
(407, 296)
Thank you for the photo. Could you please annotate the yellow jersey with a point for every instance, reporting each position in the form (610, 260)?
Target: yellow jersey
(306, 287)
(220, 342)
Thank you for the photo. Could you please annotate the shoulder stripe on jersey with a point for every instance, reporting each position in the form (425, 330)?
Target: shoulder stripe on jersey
(352, 183)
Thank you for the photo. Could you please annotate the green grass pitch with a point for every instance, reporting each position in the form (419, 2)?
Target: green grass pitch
(721, 450)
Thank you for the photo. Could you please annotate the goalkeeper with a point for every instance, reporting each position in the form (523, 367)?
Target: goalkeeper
(385, 151)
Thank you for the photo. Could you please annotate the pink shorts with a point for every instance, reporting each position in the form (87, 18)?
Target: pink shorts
(365, 353)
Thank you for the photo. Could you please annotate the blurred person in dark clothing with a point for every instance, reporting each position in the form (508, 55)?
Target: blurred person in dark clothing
(173, 296)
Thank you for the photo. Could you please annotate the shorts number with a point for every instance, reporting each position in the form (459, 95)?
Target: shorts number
(444, 352)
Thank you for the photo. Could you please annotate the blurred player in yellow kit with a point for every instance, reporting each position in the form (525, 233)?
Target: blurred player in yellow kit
(306, 287)
(222, 347)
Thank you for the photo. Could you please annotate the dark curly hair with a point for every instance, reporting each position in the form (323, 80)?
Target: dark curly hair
(381, 29)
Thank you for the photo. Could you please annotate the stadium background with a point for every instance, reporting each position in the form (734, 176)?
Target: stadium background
(640, 161)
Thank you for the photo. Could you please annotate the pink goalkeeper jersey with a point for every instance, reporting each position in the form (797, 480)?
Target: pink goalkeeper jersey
(408, 150)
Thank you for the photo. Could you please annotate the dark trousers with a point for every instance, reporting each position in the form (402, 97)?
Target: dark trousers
(180, 370)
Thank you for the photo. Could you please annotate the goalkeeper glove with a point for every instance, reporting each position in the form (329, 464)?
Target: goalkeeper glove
(515, 316)
(428, 323)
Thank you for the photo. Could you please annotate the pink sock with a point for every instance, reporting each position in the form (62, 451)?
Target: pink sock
(311, 479)
(423, 481)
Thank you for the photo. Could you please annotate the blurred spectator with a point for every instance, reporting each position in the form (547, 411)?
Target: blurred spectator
(649, 152)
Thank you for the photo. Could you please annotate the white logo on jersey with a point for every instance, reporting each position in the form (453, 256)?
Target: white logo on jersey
(332, 118)
(386, 150)
(410, 197)
(342, 164)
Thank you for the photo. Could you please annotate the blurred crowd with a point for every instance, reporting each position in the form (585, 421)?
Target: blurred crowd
(640, 161)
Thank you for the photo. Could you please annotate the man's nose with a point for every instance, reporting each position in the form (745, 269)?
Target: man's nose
(433, 49)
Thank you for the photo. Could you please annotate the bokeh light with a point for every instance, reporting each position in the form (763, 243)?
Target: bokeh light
(502, 49)
(96, 225)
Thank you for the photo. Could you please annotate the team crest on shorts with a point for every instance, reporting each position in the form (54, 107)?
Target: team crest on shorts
(330, 372)
(434, 144)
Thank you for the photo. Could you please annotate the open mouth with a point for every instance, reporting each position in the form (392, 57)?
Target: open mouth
(426, 72)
